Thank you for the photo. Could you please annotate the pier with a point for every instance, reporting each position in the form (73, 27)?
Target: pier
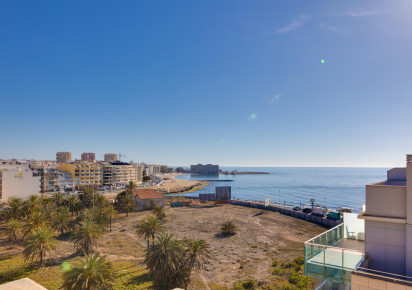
(286, 210)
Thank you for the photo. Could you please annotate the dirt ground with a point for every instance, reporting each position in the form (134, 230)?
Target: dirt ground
(263, 236)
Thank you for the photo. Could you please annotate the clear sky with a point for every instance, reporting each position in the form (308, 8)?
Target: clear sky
(258, 83)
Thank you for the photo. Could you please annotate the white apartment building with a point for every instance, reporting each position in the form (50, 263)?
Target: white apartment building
(17, 180)
(372, 250)
(121, 173)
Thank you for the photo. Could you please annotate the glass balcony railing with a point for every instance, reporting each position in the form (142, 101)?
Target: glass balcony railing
(326, 257)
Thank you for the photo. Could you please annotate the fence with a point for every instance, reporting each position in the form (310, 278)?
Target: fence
(287, 211)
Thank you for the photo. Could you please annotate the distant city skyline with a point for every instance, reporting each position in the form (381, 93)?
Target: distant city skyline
(234, 83)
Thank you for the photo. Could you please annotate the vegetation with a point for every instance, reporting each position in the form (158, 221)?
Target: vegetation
(160, 213)
(39, 243)
(91, 272)
(126, 202)
(149, 227)
(85, 236)
(228, 228)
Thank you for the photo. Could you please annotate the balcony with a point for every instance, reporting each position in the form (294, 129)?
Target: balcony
(334, 254)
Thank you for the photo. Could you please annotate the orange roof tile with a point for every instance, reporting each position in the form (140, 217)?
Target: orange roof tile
(147, 193)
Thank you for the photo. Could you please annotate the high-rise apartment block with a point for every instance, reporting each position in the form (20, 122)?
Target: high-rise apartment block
(63, 157)
(120, 173)
(204, 169)
(89, 157)
(110, 157)
(84, 174)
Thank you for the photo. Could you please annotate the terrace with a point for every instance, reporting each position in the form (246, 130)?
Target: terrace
(334, 254)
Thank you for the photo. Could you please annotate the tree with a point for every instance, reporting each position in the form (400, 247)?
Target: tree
(31, 203)
(197, 253)
(159, 212)
(71, 202)
(61, 221)
(57, 199)
(47, 203)
(164, 260)
(3, 206)
(36, 220)
(131, 187)
(13, 229)
(101, 219)
(127, 203)
(84, 238)
(16, 208)
(228, 228)
(111, 213)
(40, 242)
(87, 197)
(92, 272)
(148, 227)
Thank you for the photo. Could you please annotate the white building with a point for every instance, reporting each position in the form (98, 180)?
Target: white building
(17, 180)
(374, 249)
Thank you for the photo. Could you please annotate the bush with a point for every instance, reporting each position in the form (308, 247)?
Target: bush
(287, 287)
(277, 272)
(228, 228)
(249, 284)
(274, 263)
(299, 260)
(287, 265)
(254, 246)
(297, 268)
(294, 279)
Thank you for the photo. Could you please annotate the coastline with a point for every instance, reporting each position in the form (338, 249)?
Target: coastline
(173, 185)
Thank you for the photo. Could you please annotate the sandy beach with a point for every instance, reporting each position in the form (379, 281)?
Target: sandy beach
(172, 184)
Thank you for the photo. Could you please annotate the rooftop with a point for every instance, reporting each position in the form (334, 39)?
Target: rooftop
(147, 193)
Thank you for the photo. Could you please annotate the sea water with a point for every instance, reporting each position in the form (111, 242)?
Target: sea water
(334, 187)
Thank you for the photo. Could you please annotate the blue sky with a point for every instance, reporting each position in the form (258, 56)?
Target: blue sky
(226, 82)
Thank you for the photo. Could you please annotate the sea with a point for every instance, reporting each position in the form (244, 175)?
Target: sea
(333, 187)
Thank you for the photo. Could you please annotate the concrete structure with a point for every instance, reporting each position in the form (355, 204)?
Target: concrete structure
(17, 180)
(119, 173)
(110, 157)
(148, 198)
(22, 284)
(153, 169)
(48, 171)
(84, 174)
(204, 169)
(386, 261)
(63, 157)
(65, 180)
(88, 157)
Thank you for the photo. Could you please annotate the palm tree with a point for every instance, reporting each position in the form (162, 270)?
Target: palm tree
(71, 203)
(31, 203)
(92, 272)
(228, 228)
(148, 227)
(13, 229)
(159, 212)
(47, 206)
(58, 199)
(197, 253)
(36, 220)
(15, 209)
(164, 259)
(100, 200)
(40, 242)
(131, 187)
(100, 219)
(111, 213)
(3, 206)
(84, 238)
(127, 203)
(61, 221)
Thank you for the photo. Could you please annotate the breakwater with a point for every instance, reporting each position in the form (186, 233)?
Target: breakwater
(328, 223)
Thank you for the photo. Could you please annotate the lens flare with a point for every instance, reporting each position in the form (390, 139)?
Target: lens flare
(253, 117)
(66, 266)
(322, 61)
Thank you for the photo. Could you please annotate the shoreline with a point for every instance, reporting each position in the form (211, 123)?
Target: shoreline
(173, 185)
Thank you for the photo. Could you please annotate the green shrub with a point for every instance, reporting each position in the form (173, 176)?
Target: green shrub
(249, 284)
(254, 246)
(299, 260)
(277, 272)
(287, 265)
(287, 287)
(294, 279)
(238, 287)
(297, 268)
(274, 263)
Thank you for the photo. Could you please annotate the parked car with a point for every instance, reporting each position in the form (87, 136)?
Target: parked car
(296, 208)
(307, 209)
(320, 211)
(333, 215)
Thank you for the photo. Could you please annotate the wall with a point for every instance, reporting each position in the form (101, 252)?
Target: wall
(365, 283)
(19, 184)
(354, 228)
(386, 201)
(385, 244)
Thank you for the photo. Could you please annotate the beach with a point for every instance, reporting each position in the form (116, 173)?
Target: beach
(171, 184)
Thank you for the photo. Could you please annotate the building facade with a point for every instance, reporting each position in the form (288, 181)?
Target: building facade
(88, 157)
(110, 157)
(119, 173)
(204, 169)
(48, 171)
(148, 198)
(374, 249)
(63, 157)
(84, 174)
(17, 180)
